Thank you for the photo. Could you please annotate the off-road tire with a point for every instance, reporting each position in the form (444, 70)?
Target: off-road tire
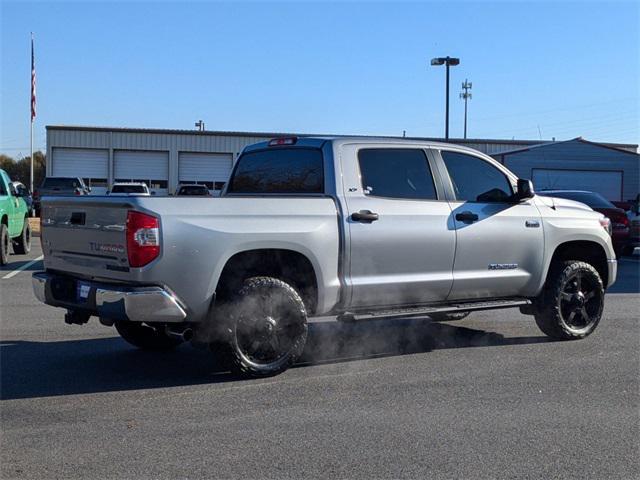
(554, 305)
(4, 244)
(22, 244)
(448, 317)
(268, 316)
(145, 337)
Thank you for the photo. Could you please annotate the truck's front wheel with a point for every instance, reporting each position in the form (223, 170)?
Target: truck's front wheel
(4, 244)
(22, 244)
(145, 337)
(265, 328)
(571, 304)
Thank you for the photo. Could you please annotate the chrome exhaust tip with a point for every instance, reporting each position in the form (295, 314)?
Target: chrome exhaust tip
(184, 334)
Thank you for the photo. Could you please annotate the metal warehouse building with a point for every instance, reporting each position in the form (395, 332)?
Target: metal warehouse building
(165, 158)
(577, 164)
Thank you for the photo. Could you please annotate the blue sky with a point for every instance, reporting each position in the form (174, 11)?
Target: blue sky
(553, 69)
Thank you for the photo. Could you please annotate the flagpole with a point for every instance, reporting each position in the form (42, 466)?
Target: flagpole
(31, 117)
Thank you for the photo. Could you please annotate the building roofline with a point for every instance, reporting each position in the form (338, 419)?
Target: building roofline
(285, 134)
(619, 147)
(523, 144)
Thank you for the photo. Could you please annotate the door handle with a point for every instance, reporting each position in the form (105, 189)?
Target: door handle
(466, 217)
(364, 216)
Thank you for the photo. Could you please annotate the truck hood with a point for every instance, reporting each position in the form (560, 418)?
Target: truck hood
(563, 203)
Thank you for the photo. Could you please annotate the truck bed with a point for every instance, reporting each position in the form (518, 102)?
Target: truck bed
(85, 237)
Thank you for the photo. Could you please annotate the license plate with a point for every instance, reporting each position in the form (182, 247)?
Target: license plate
(82, 291)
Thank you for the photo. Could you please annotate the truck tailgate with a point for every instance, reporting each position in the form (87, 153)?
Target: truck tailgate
(83, 236)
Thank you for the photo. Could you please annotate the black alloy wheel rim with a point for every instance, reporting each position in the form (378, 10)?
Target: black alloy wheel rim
(580, 301)
(267, 332)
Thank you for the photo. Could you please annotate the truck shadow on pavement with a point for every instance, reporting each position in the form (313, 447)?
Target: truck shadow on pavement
(44, 369)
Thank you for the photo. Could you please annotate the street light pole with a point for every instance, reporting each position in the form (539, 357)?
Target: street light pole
(448, 62)
(446, 121)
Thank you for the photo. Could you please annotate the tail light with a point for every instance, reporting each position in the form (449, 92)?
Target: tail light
(36, 195)
(143, 238)
(283, 141)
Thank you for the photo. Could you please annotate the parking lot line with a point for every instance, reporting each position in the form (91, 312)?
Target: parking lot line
(23, 267)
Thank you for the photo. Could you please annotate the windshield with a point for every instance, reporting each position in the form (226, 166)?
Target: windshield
(279, 170)
(128, 189)
(592, 199)
(61, 182)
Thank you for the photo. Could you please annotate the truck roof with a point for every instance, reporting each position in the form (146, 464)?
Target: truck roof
(318, 142)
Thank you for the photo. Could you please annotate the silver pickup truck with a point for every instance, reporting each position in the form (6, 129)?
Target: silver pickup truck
(351, 227)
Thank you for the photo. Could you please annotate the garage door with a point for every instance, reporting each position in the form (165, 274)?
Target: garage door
(606, 183)
(150, 167)
(86, 163)
(212, 169)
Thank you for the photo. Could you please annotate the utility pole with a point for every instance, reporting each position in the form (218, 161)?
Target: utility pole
(447, 61)
(466, 95)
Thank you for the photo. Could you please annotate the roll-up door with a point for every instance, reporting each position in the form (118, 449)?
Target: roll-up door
(90, 164)
(211, 169)
(150, 167)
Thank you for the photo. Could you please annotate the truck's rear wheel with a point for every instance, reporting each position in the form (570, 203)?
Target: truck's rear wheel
(265, 328)
(571, 304)
(145, 337)
(22, 244)
(4, 244)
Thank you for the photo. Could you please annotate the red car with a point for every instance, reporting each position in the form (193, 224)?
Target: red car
(618, 217)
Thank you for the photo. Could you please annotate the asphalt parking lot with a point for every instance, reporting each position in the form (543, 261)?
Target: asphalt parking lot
(486, 397)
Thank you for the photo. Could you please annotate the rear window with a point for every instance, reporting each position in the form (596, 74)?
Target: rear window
(61, 183)
(279, 170)
(128, 189)
(591, 199)
(194, 190)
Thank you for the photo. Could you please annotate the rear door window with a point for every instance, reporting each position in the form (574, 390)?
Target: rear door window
(279, 170)
(396, 173)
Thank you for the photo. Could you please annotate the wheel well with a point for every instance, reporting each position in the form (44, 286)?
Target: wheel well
(287, 265)
(5, 220)
(589, 252)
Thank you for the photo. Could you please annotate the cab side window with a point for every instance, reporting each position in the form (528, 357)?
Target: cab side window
(396, 173)
(476, 180)
(3, 190)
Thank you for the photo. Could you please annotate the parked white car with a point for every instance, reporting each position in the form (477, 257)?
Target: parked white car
(129, 188)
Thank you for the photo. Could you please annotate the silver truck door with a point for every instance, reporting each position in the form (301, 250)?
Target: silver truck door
(500, 244)
(400, 240)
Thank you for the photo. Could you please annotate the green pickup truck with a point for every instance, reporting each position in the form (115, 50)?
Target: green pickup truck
(14, 220)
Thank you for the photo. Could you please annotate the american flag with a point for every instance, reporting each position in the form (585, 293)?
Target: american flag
(33, 82)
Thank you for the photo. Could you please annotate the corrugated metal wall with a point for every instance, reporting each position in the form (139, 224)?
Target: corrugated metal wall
(174, 143)
(577, 155)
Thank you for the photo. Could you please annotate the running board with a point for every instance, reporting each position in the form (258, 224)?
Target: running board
(449, 308)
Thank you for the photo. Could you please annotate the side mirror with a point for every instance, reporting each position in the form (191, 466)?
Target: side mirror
(525, 189)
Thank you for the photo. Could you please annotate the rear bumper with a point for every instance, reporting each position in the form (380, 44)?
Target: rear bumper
(115, 302)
